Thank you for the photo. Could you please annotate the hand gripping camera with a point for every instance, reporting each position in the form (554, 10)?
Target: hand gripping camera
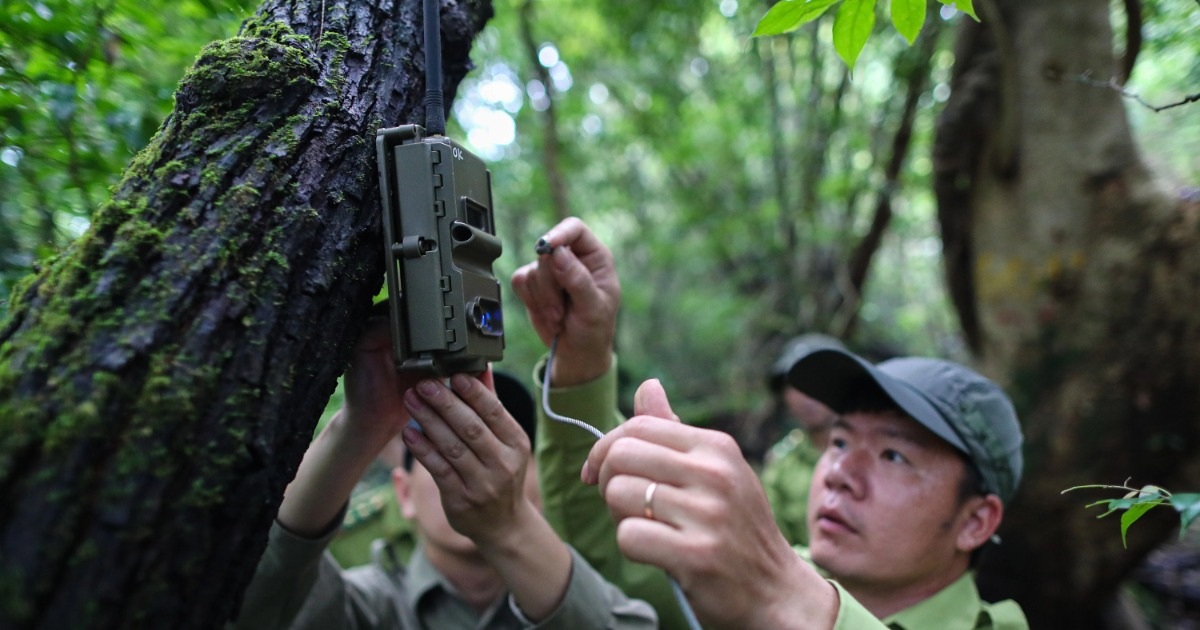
(439, 240)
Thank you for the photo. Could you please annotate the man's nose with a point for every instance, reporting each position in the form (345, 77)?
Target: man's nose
(848, 471)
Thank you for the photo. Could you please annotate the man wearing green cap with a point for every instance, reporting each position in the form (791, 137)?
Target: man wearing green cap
(912, 483)
(920, 463)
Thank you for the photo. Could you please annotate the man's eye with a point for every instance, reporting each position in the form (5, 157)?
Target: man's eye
(837, 442)
(894, 456)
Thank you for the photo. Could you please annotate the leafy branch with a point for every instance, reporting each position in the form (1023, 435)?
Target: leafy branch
(1137, 501)
(1112, 84)
(853, 22)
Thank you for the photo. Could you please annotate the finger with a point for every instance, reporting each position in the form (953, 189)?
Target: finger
(488, 379)
(582, 264)
(580, 281)
(651, 400)
(424, 451)
(626, 497)
(574, 233)
(452, 427)
(654, 543)
(666, 433)
(642, 458)
(543, 299)
(484, 402)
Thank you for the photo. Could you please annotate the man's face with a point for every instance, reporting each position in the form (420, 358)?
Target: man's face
(884, 507)
(421, 502)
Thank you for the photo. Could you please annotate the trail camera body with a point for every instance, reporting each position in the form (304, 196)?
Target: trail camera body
(440, 243)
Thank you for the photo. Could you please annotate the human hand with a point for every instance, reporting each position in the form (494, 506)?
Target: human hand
(573, 293)
(374, 405)
(476, 453)
(706, 521)
(479, 456)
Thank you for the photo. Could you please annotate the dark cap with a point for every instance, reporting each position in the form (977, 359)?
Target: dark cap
(954, 402)
(795, 348)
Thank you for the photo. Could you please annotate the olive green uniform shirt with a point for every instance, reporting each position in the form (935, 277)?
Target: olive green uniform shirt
(578, 513)
(298, 585)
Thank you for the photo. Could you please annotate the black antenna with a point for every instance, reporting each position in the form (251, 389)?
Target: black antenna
(435, 110)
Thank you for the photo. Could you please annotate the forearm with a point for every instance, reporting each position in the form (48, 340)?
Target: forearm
(333, 464)
(533, 563)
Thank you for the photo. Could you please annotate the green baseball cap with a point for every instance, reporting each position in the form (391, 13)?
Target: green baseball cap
(956, 403)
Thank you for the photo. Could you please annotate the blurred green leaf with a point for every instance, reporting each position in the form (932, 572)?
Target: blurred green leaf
(1113, 505)
(789, 15)
(962, 5)
(1135, 512)
(852, 26)
(908, 16)
(1188, 506)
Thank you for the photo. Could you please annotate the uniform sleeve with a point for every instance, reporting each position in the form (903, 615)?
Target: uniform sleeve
(577, 511)
(592, 602)
(299, 585)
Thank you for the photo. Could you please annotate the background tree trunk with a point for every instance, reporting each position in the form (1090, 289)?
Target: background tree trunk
(160, 380)
(1076, 274)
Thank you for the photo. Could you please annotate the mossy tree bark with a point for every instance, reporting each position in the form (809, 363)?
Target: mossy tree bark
(1076, 272)
(161, 379)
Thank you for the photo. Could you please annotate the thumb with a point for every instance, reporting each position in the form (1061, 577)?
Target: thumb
(651, 400)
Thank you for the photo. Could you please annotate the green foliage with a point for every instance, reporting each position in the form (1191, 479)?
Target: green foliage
(730, 174)
(1137, 501)
(853, 22)
(789, 15)
(908, 16)
(1167, 71)
(851, 27)
(730, 219)
(83, 87)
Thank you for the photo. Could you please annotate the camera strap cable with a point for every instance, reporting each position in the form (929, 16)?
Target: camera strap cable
(680, 598)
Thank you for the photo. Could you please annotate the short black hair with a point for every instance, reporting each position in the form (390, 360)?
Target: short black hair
(516, 398)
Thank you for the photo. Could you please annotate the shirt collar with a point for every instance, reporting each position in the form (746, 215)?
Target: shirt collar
(425, 581)
(422, 578)
(956, 606)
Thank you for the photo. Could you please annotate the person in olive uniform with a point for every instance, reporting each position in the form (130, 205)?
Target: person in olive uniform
(918, 468)
(486, 556)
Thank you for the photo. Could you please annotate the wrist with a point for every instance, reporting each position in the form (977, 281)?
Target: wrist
(357, 433)
(510, 538)
(799, 593)
(532, 561)
(570, 370)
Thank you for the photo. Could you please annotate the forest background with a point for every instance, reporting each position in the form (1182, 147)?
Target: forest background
(752, 189)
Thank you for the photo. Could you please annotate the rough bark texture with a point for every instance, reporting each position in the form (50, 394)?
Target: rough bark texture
(1077, 273)
(160, 380)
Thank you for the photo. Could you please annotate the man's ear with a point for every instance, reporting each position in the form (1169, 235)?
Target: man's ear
(982, 517)
(400, 483)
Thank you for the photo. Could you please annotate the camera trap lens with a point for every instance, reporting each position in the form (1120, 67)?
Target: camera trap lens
(487, 317)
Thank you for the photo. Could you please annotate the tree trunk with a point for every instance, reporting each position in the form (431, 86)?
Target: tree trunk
(161, 379)
(1076, 274)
